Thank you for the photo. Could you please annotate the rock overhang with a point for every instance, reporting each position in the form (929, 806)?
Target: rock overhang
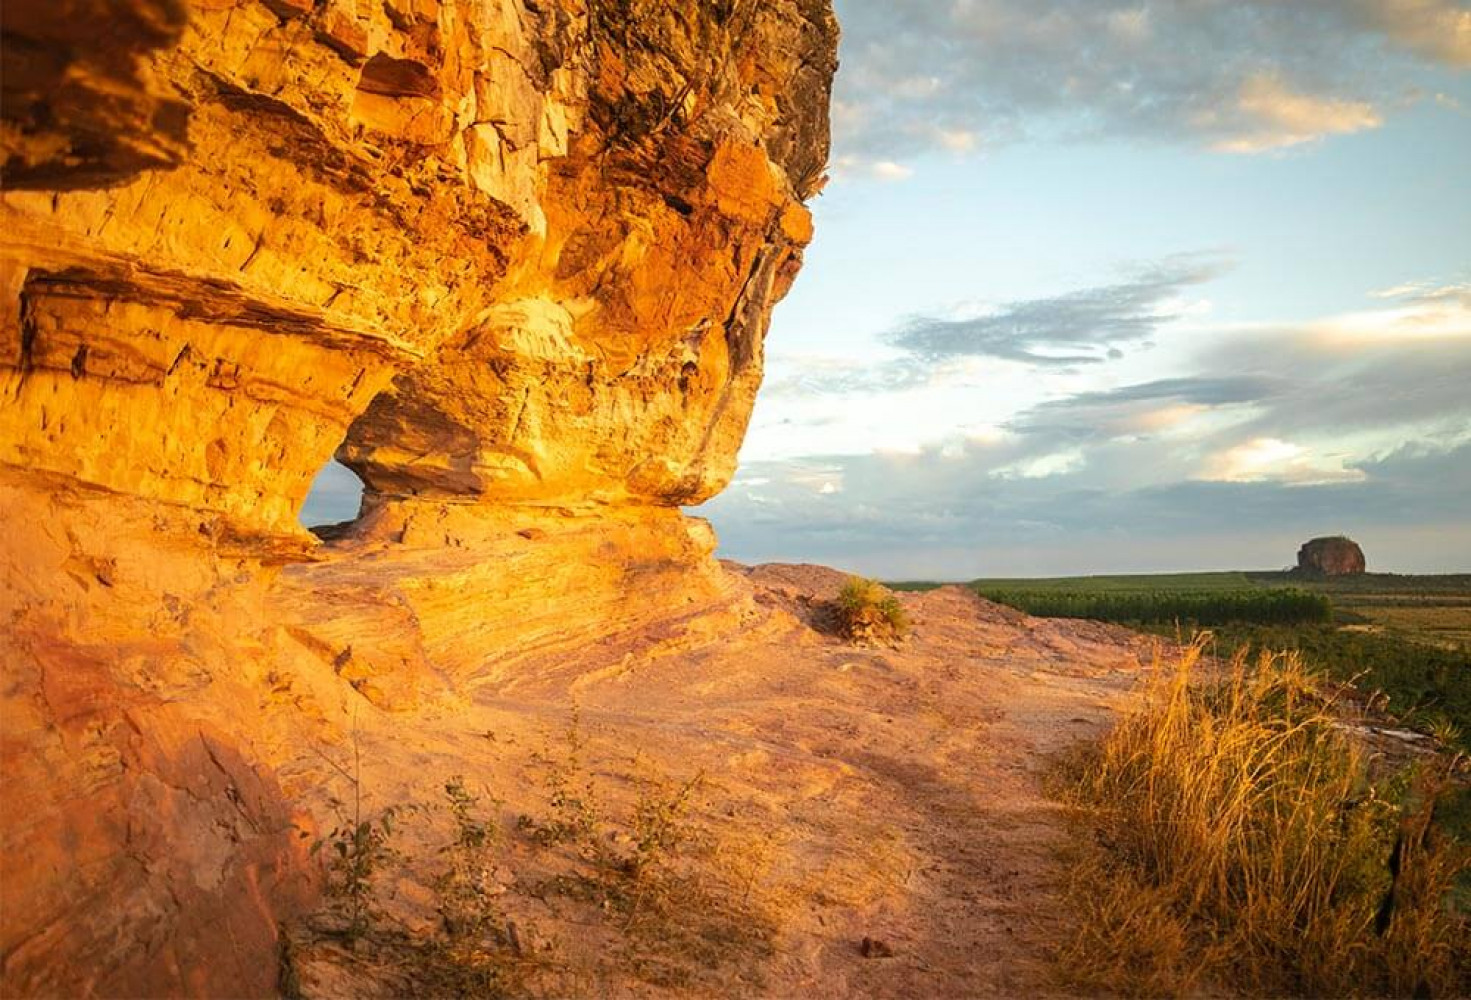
(512, 262)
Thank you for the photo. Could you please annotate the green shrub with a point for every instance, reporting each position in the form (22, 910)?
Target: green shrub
(867, 612)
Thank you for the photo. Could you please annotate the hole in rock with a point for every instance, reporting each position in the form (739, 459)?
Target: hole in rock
(333, 501)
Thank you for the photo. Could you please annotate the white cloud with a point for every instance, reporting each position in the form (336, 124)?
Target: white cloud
(1427, 312)
(881, 170)
(888, 170)
(1267, 459)
(1058, 463)
(1271, 115)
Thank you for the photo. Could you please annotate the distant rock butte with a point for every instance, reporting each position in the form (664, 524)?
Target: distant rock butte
(512, 262)
(1331, 556)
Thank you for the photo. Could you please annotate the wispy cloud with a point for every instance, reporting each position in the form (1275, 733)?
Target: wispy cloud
(1244, 77)
(1146, 408)
(1436, 29)
(1209, 390)
(1087, 326)
(1455, 296)
(1268, 114)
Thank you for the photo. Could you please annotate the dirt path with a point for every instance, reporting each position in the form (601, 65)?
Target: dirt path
(898, 792)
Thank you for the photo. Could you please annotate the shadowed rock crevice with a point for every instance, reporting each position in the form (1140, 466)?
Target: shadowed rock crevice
(81, 108)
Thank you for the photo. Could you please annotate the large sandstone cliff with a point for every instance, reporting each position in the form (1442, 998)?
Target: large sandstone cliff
(512, 261)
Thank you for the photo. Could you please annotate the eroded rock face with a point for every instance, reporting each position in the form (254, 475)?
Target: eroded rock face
(513, 262)
(1335, 556)
(621, 357)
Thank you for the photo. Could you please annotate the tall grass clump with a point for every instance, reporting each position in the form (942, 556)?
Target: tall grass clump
(1243, 843)
(868, 612)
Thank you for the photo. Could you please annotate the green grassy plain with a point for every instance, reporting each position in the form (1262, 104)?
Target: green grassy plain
(1405, 637)
(1429, 609)
(1403, 642)
(1129, 583)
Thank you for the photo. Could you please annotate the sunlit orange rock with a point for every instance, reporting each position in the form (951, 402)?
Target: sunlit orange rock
(512, 262)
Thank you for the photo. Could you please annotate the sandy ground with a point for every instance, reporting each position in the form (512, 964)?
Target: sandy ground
(890, 794)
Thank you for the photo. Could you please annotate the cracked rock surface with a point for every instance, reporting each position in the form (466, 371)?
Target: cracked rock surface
(511, 261)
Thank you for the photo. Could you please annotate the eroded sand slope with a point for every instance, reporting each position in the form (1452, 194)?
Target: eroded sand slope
(893, 794)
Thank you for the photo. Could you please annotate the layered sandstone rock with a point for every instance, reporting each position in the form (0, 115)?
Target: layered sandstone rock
(512, 262)
(1332, 556)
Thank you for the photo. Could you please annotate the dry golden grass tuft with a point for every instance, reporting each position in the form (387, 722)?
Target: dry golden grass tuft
(869, 612)
(1240, 841)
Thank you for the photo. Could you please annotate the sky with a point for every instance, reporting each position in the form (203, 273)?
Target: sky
(1103, 287)
(1107, 286)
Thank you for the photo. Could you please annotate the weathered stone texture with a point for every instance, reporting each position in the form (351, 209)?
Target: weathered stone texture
(512, 261)
(1333, 556)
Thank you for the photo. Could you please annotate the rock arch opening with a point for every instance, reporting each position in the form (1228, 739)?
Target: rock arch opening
(334, 500)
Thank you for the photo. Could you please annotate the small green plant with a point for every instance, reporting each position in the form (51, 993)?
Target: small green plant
(466, 900)
(570, 794)
(660, 824)
(358, 848)
(867, 612)
(477, 952)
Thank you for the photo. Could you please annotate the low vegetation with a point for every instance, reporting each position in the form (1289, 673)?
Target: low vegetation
(1211, 607)
(1419, 685)
(476, 950)
(1403, 641)
(357, 850)
(868, 612)
(1236, 838)
(1431, 610)
(674, 903)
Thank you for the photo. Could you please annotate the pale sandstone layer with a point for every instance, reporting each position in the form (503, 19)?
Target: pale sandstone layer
(512, 261)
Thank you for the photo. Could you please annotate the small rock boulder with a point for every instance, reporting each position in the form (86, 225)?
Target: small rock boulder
(1335, 556)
